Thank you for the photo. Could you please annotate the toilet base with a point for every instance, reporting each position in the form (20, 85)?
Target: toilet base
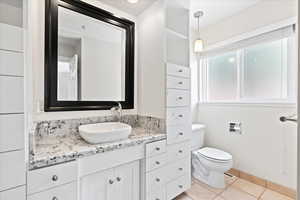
(213, 179)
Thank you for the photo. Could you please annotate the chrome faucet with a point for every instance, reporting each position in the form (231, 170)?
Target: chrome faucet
(117, 111)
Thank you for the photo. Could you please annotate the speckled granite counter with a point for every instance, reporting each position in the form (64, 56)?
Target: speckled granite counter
(49, 149)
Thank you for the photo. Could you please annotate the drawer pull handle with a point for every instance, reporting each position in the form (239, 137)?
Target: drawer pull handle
(157, 149)
(118, 179)
(180, 71)
(180, 151)
(180, 169)
(54, 178)
(180, 83)
(181, 133)
(111, 182)
(54, 198)
(180, 186)
(157, 162)
(180, 98)
(180, 116)
(157, 199)
(157, 180)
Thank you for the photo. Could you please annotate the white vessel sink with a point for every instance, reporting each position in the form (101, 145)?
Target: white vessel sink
(104, 132)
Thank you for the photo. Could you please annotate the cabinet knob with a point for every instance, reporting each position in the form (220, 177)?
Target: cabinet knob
(180, 186)
(111, 182)
(157, 199)
(180, 98)
(180, 169)
(180, 70)
(54, 198)
(157, 180)
(157, 149)
(180, 151)
(54, 178)
(180, 116)
(180, 83)
(118, 179)
(157, 162)
(181, 133)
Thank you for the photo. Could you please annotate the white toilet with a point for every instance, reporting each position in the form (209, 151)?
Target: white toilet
(208, 164)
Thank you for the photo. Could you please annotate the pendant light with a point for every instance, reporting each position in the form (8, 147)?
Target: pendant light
(199, 43)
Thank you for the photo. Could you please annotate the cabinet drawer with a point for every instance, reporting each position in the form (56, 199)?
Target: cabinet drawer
(178, 116)
(178, 186)
(155, 148)
(178, 83)
(14, 194)
(178, 98)
(64, 192)
(177, 70)
(11, 132)
(12, 169)
(11, 95)
(158, 194)
(11, 63)
(177, 134)
(179, 168)
(156, 162)
(11, 37)
(156, 179)
(45, 178)
(178, 151)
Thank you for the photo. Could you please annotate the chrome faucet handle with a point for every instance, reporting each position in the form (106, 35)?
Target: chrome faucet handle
(117, 109)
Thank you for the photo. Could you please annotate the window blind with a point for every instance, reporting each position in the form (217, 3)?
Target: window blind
(277, 34)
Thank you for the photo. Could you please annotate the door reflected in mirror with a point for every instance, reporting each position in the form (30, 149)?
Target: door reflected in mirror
(91, 59)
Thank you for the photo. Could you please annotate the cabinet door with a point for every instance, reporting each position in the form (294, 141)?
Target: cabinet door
(96, 186)
(126, 185)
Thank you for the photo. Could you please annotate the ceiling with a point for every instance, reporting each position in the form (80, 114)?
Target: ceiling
(133, 9)
(216, 10)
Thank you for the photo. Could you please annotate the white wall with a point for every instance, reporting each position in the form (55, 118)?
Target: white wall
(35, 63)
(151, 61)
(267, 148)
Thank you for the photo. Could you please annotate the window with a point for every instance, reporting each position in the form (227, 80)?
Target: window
(261, 72)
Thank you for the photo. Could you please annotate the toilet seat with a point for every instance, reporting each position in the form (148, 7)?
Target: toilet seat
(213, 154)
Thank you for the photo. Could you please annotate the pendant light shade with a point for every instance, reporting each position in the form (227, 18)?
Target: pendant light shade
(198, 46)
(199, 43)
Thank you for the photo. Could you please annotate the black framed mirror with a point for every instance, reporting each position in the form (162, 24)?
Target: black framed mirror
(89, 58)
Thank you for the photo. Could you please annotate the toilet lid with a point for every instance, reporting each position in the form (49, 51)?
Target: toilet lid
(215, 154)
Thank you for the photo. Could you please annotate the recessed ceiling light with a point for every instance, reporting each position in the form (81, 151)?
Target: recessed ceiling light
(133, 1)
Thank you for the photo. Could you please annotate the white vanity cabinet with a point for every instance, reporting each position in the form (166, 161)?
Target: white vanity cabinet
(12, 154)
(121, 182)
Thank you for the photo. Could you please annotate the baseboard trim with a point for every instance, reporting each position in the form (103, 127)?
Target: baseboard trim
(263, 182)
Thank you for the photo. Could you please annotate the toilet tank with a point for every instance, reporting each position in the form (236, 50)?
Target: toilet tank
(197, 137)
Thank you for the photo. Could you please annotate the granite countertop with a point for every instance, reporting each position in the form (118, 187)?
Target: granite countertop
(52, 150)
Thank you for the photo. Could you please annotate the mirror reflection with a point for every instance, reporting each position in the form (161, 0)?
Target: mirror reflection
(91, 59)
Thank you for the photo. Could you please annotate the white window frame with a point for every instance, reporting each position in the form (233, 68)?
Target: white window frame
(203, 83)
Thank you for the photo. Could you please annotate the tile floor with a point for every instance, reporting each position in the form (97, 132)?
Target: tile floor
(236, 189)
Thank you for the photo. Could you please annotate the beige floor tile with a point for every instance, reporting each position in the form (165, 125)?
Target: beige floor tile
(214, 190)
(230, 179)
(234, 194)
(251, 188)
(197, 192)
(219, 198)
(271, 195)
(183, 197)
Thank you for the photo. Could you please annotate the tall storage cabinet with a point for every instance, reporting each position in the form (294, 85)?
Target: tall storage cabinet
(165, 93)
(12, 156)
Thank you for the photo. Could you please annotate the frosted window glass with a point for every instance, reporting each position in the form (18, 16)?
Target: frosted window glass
(222, 77)
(264, 69)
